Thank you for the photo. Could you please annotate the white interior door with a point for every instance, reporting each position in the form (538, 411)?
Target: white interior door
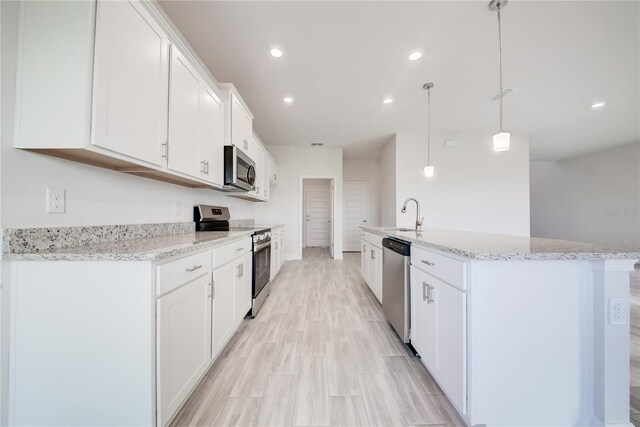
(356, 213)
(317, 216)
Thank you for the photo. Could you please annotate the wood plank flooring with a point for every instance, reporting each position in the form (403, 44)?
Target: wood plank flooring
(319, 353)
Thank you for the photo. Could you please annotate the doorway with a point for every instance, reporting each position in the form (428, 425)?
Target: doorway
(317, 216)
(356, 214)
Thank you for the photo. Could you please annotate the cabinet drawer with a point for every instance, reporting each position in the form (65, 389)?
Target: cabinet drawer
(176, 273)
(374, 239)
(447, 269)
(224, 254)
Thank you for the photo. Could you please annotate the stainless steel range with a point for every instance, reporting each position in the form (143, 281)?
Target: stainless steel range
(216, 218)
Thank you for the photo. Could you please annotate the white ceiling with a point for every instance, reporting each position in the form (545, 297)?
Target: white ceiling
(342, 58)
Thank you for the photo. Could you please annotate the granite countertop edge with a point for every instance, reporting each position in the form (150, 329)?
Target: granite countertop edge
(134, 249)
(506, 255)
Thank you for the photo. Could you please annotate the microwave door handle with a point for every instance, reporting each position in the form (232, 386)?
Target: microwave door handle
(251, 175)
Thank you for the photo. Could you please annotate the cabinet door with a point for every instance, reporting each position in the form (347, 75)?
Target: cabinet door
(211, 147)
(423, 319)
(372, 275)
(130, 82)
(184, 116)
(243, 266)
(223, 305)
(183, 343)
(364, 264)
(240, 126)
(450, 308)
(378, 272)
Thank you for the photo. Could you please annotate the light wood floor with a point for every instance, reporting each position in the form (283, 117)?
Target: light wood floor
(319, 353)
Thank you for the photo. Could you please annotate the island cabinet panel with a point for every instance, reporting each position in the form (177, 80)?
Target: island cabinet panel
(183, 342)
(371, 263)
(439, 329)
(130, 80)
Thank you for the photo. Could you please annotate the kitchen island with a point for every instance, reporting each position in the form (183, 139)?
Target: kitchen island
(520, 330)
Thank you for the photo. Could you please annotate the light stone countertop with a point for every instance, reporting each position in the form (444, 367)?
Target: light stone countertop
(146, 248)
(503, 247)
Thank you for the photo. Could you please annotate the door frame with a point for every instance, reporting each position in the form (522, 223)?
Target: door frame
(344, 209)
(332, 196)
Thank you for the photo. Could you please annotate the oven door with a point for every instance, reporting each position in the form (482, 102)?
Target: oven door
(261, 266)
(239, 169)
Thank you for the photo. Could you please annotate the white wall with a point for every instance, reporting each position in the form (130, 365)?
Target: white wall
(94, 196)
(594, 198)
(474, 188)
(365, 170)
(388, 180)
(286, 204)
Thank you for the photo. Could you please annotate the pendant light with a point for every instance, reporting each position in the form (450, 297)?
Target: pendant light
(428, 170)
(502, 139)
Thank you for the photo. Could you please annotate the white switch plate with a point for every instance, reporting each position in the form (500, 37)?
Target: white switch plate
(177, 208)
(55, 201)
(617, 311)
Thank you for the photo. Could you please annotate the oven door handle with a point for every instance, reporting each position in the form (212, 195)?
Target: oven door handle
(262, 246)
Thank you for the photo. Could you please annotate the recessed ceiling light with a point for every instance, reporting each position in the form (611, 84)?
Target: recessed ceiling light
(276, 53)
(288, 99)
(387, 100)
(598, 105)
(415, 55)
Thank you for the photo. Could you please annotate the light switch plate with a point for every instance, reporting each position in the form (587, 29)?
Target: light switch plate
(55, 201)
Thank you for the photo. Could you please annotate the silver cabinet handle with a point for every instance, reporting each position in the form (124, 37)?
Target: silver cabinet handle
(429, 294)
(424, 291)
(194, 268)
(246, 144)
(210, 291)
(239, 249)
(429, 263)
(213, 289)
(165, 149)
(373, 255)
(239, 269)
(206, 163)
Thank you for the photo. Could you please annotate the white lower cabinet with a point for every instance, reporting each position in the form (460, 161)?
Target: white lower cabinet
(439, 333)
(277, 251)
(371, 266)
(243, 283)
(183, 343)
(224, 302)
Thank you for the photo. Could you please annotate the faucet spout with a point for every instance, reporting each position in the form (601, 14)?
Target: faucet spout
(419, 220)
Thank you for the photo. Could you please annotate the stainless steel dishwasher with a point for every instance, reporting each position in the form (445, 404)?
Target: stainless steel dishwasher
(396, 286)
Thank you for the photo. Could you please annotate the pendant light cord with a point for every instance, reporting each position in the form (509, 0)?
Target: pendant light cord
(429, 128)
(500, 60)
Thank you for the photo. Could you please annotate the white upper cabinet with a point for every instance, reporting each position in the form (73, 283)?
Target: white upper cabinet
(184, 116)
(196, 123)
(130, 82)
(241, 127)
(273, 170)
(211, 147)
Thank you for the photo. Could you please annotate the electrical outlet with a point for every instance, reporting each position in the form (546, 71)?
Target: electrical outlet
(177, 208)
(617, 311)
(55, 201)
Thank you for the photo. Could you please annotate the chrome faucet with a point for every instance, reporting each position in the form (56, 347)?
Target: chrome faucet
(419, 220)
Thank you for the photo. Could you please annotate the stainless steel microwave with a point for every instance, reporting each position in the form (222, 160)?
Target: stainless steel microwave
(239, 170)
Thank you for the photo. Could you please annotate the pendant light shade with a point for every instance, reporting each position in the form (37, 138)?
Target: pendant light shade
(429, 169)
(502, 139)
